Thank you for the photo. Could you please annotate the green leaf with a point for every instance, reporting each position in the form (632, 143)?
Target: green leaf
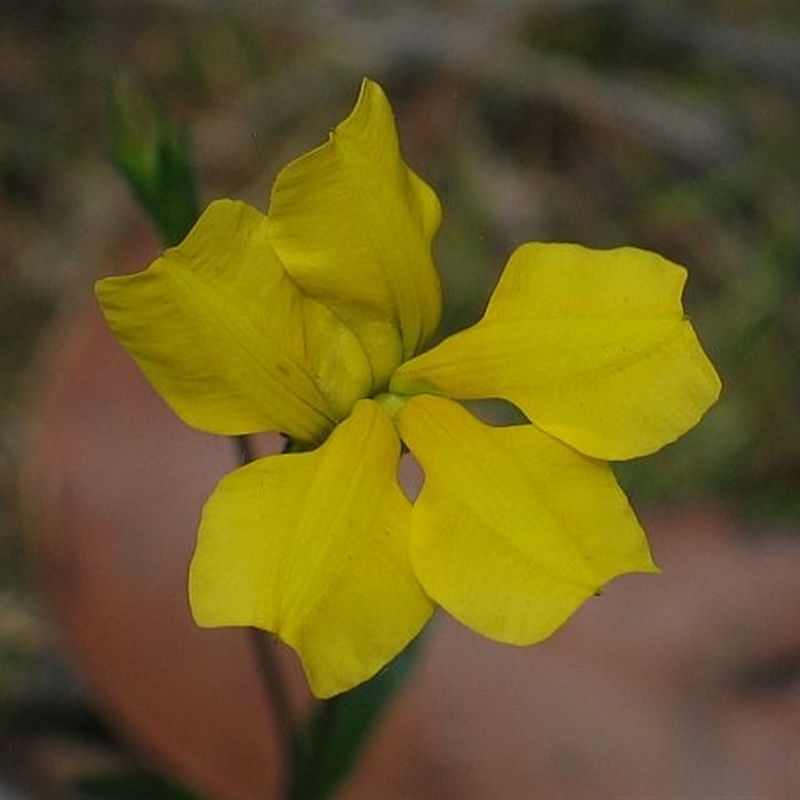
(131, 784)
(152, 153)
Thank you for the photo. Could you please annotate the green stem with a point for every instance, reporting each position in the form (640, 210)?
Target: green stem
(311, 777)
(272, 677)
(278, 698)
(322, 749)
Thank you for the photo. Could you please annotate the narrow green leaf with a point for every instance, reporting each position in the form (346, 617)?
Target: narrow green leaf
(130, 784)
(152, 153)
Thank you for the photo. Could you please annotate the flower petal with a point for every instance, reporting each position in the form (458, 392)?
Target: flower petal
(512, 530)
(228, 339)
(314, 547)
(592, 345)
(353, 226)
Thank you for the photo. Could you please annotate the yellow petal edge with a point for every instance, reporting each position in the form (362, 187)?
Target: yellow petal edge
(592, 345)
(314, 548)
(354, 225)
(513, 530)
(227, 338)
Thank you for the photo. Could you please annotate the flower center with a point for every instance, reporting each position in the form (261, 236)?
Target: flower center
(391, 403)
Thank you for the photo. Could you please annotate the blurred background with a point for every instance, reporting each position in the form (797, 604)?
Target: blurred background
(668, 125)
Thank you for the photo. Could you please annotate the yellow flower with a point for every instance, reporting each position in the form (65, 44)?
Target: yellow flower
(313, 321)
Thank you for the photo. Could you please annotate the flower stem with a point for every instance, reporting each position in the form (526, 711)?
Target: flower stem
(271, 676)
(278, 697)
(319, 751)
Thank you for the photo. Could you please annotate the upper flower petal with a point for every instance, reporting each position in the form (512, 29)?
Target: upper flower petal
(512, 530)
(314, 547)
(229, 340)
(353, 226)
(592, 345)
